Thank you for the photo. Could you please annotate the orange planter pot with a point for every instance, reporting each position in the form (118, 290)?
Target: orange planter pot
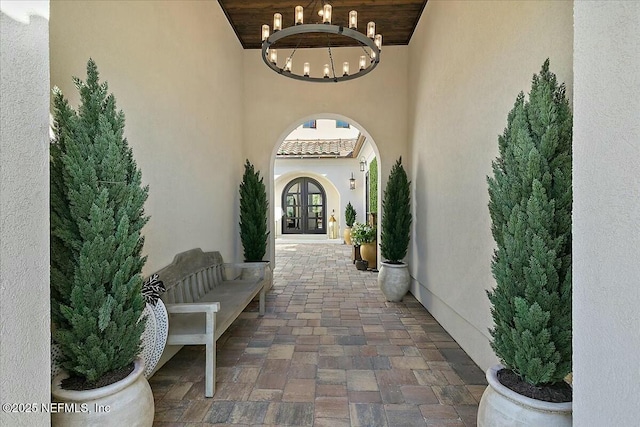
(369, 252)
(346, 235)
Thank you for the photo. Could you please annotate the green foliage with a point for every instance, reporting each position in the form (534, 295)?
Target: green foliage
(253, 214)
(349, 215)
(362, 233)
(373, 186)
(530, 206)
(97, 216)
(396, 215)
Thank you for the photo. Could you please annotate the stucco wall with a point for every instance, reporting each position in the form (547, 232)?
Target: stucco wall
(467, 62)
(375, 103)
(176, 71)
(24, 210)
(606, 219)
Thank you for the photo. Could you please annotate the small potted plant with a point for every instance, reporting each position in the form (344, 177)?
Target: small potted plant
(364, 236)
(254, 231)
(97, 214)
(530, 202)
(394, 278)
(350, 218)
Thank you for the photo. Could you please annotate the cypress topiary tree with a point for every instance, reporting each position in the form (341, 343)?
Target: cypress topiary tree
(349, 215)
(96, 220)
(530, 208)
(253, 214)
(396, 215)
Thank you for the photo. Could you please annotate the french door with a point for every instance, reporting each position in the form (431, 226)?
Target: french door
(304, 205)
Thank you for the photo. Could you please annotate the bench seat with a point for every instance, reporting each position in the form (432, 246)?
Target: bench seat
(233, 297)
(204, 296)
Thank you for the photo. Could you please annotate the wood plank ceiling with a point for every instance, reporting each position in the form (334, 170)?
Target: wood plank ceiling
(395, 20)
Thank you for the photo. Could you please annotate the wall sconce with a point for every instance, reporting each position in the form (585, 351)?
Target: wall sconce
(352, 182)
(363, 164)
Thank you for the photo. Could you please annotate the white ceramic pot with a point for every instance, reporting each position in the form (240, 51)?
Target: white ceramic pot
(394, 280)
(128, 402)
(254, 273)
(503, 407)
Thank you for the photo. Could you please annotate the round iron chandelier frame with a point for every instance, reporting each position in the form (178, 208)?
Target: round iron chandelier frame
(327, 29)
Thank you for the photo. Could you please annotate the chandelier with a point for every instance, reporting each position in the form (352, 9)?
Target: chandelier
(370, 43)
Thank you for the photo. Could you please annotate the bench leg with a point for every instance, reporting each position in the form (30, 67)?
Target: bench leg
(262, 302)
(210, 359)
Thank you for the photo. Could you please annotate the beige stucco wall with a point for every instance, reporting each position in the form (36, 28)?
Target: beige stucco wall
(376, 103)
(175, 69)
(24, 211)
(467, 62)
(606, 219)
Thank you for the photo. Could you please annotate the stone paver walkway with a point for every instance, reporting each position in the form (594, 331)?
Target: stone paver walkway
(329, 352)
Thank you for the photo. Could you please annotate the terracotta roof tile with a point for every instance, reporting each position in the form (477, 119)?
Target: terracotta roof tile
(317, 148)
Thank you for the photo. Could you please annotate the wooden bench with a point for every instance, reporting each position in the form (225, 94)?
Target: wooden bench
(204, 296)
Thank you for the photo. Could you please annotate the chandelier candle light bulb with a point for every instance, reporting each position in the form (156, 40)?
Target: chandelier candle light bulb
(326, 71)
(353, 20)
(287, 64)
(326, 14)
(299, 15)
(277, 22)
(378, 41)
(265, 32)
(273, 56)
(363, 62)
(345, 68)
(371, 29)
(307, 68)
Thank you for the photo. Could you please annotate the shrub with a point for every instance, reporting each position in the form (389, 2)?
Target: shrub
(396, 215)
(349, 215)
(530, 208)
(362, 233)
(96, 220)
(253, 214)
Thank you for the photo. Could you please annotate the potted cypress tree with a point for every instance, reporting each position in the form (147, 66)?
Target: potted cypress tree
(530, 207)
(394, 278)
(253, 221)
(350, 218)
(97, 216)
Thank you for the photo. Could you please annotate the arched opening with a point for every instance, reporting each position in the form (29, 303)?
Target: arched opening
(304, 206)
(320, 147)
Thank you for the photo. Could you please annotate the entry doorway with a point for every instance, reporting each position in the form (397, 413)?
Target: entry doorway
(304, 204)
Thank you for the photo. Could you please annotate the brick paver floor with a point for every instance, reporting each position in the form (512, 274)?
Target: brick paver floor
(329, 352)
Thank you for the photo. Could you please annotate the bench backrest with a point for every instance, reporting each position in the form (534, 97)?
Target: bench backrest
(190, 275)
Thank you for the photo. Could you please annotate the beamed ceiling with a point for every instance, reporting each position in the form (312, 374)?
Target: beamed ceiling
(395, 19)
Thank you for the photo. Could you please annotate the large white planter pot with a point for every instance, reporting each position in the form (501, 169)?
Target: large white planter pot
(394, 280)
(128, 402)
(254, 273)
(503, 407)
